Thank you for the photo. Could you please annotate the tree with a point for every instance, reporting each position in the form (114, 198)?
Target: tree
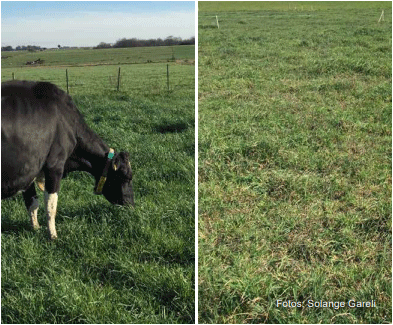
(103, 45)
(7, 48)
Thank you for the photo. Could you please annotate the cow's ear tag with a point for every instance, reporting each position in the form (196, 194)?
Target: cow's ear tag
(111, 154)
(114, 167)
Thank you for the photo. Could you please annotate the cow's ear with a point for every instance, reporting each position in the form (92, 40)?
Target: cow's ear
(121, 161)
(125, 156)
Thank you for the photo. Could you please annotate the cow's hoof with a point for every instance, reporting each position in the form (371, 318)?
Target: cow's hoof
(52, 236)
(36, 227)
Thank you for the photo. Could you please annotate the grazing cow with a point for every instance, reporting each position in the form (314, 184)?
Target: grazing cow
(43, 135)
(39, 61)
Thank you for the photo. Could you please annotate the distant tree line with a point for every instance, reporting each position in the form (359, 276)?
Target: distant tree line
(30, 48)
(124, 42)
(134, 42)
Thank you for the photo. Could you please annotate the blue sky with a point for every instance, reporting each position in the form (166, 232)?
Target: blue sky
(87, 23)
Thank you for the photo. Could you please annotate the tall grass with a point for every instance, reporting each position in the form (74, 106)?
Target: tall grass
(112, 264)
(294, 163)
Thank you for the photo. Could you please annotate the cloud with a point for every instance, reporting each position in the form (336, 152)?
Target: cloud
(91, 28)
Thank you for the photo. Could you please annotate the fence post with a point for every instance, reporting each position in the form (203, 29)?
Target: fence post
(382, 16)
(13, 76)
(167, 76)
(173, 54)
(118, 80)
(67, 81)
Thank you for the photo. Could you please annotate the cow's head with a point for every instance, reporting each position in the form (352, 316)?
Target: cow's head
(117, 188)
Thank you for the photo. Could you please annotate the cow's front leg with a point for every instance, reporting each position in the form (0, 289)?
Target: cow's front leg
(52, 185)
(31, 202)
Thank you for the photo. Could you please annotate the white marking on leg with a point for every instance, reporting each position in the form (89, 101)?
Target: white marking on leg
(33, 210)
(51, 206)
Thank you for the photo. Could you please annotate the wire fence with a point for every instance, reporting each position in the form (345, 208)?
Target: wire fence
(151, 78)
(147, 70)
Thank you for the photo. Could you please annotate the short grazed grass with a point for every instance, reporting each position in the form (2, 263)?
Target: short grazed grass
(294, 162)
(112, 264)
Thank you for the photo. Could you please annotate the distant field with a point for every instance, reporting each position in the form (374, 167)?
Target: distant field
(81, 57)
(226, 6)
(294, 161)
(111, 264)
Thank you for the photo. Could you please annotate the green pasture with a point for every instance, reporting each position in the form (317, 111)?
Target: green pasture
(294, 162)
(112, 264)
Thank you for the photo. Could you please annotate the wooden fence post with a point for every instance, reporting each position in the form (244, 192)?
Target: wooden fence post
(67, 81)
(118, 80)
(382, 18)
(167, 76)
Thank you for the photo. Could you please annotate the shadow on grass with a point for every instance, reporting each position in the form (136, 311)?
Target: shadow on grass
(164, 290)
(207, 26)
(171, 127)
(10, 226)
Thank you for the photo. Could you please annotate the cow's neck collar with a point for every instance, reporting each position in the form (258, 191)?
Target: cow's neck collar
(104, 174)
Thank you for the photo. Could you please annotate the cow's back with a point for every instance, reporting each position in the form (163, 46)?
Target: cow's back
(32, 124)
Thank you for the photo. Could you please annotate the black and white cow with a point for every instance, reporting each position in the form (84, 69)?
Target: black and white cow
(43, 135)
